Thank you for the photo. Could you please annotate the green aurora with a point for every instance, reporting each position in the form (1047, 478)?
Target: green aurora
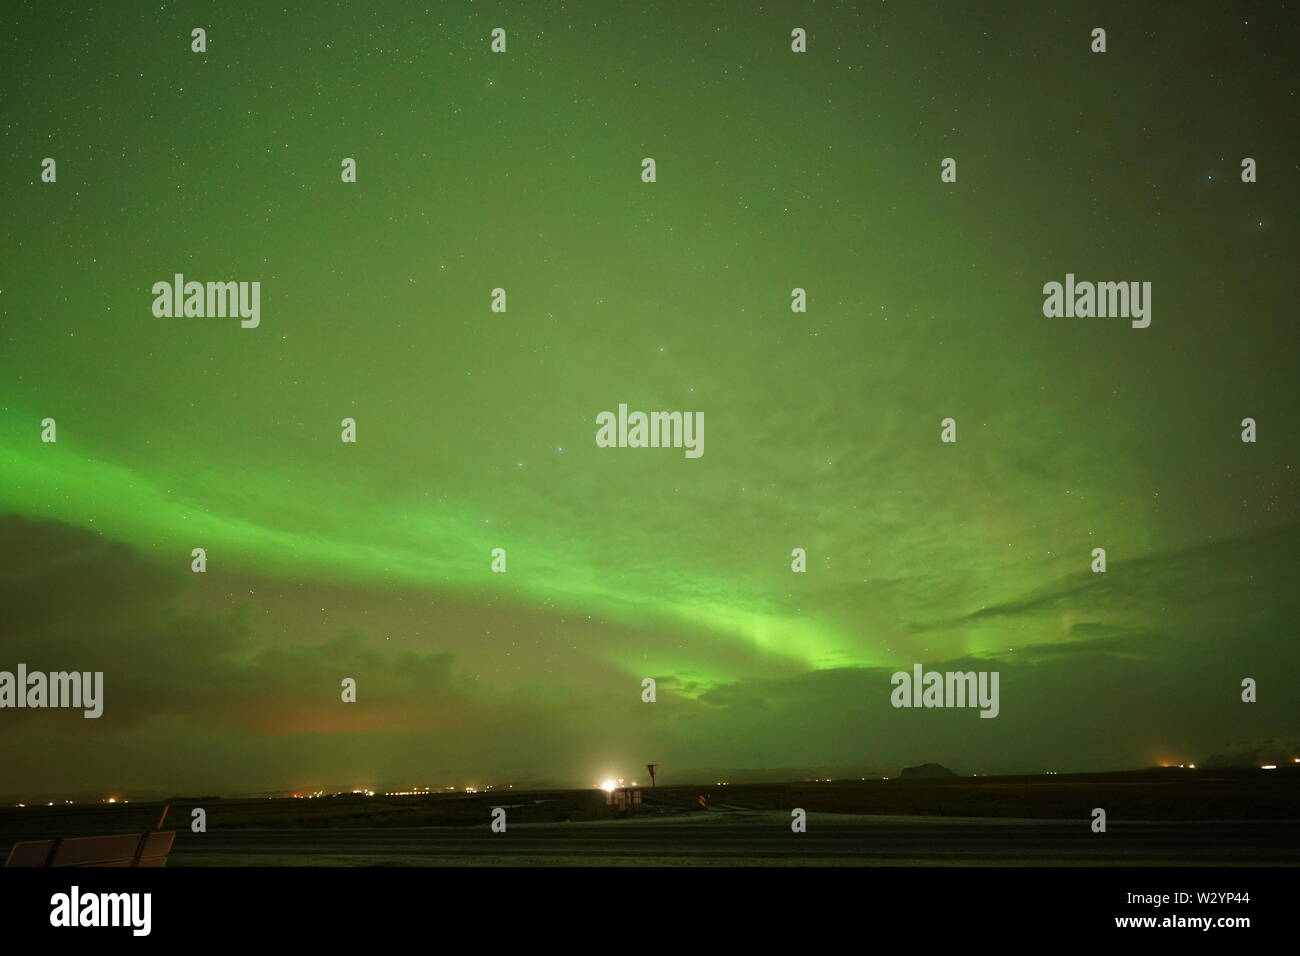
(476, 429)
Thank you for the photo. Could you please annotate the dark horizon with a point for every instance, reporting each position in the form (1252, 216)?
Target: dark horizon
(689, 778)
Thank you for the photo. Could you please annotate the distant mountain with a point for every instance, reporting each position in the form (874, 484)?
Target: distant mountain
(926, 770)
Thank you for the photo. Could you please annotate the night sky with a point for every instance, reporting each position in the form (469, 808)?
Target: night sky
(475, 429)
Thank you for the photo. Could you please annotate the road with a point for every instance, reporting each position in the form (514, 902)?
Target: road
(761, 838)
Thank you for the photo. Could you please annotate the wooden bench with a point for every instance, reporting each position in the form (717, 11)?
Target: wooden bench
(128, 849)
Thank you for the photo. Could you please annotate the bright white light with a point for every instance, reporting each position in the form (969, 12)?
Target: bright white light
(609, 786)
(1269, 766)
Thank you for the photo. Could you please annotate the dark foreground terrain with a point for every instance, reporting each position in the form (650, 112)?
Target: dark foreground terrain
(761, 838)
(1192, 818)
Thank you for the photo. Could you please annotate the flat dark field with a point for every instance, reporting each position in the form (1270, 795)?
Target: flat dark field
(1155, 818)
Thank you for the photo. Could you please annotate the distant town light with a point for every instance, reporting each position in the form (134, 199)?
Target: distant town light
(1269, 766)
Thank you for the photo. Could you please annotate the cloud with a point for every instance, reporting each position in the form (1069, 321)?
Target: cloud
(226, 698)
(77, 601)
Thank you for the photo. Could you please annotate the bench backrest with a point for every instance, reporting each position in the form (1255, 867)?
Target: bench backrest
(127, 849)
